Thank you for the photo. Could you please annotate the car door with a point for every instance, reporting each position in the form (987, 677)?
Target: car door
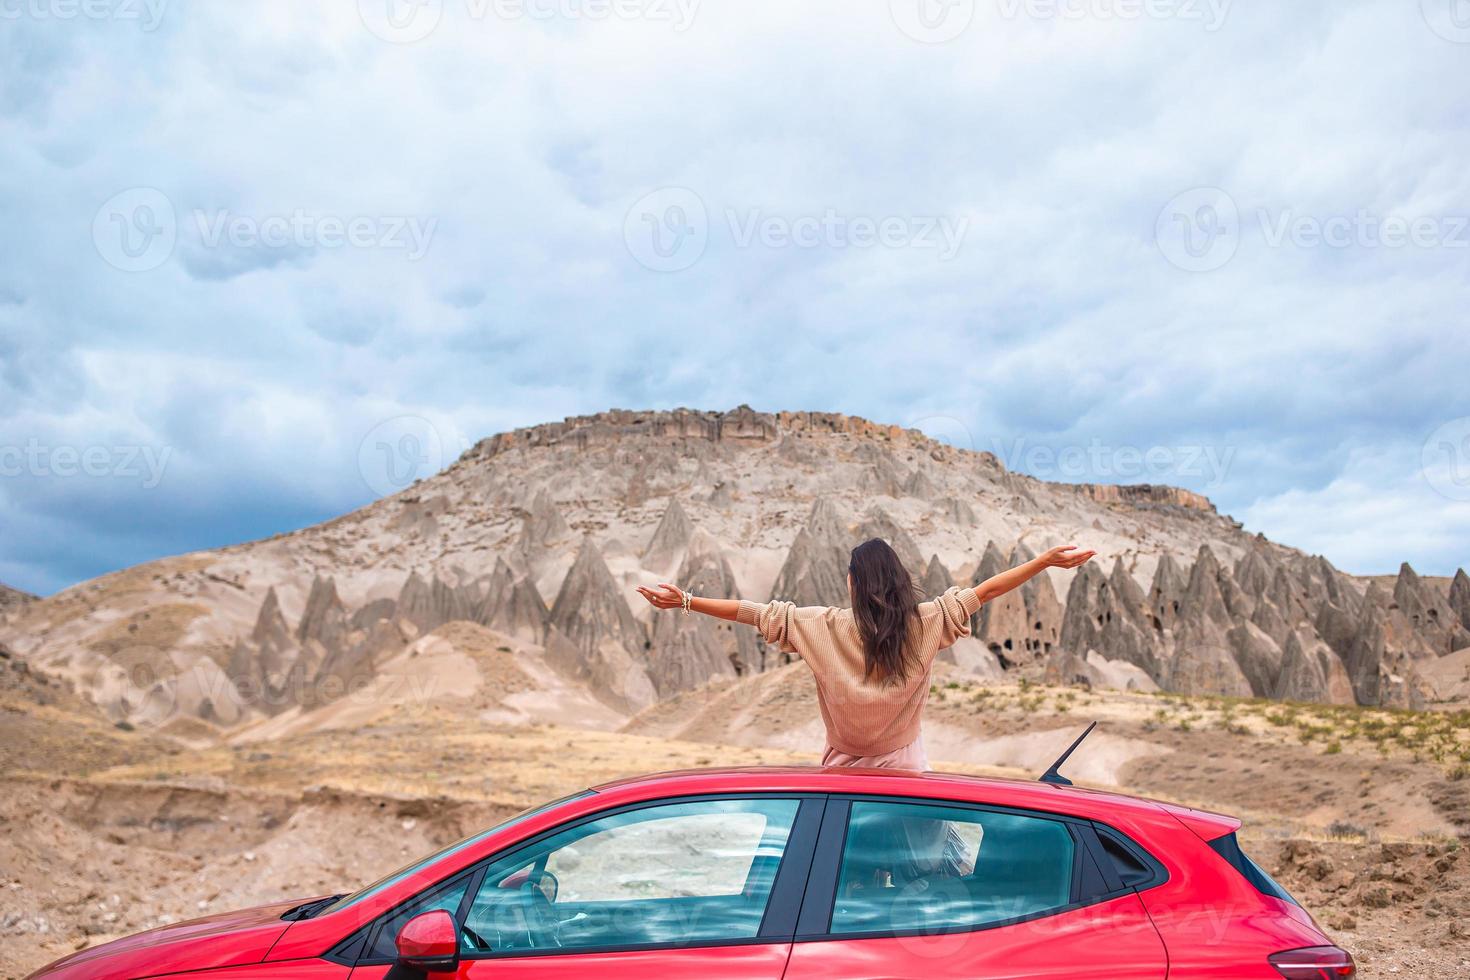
(934, 890)
(702, 887)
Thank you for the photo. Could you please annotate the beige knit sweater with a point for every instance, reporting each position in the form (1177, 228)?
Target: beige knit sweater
(863, 717)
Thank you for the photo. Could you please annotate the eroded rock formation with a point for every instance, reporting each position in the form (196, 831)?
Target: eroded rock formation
(815, 570)
(1430, 615)
(590, 506)
(542, 525)
(1460, 597)
(670, 538)
(592, 633)
(688, 651)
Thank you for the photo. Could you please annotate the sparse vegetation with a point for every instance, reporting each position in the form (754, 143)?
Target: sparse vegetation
(505, 766)
(1346, 831)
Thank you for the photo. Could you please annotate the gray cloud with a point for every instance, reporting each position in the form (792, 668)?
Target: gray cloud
(261, 360)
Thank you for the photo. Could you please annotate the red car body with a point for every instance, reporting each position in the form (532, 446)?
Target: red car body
(1193, 913)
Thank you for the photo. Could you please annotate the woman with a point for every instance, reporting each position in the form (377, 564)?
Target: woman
(872, 662)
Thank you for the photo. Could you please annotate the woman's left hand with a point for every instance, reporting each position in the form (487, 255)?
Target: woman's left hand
(664, 597)
(1067, 556)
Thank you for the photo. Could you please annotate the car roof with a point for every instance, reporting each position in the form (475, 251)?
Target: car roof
(1033, 794)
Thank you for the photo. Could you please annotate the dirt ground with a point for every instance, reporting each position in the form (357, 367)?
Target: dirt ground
(104, 831)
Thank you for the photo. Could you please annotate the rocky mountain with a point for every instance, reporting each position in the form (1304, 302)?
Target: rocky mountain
(12, 599)
(541, 534)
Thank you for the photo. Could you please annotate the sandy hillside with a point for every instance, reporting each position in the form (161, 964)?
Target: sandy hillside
(1361, 812)
(297, 715)
(11, 599)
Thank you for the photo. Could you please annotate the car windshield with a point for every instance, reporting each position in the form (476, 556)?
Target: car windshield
(404, 872)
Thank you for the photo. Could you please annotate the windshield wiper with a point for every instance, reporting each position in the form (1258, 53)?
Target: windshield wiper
(310, 909)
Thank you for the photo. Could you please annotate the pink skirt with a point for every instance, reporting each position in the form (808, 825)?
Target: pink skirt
(911, 756)
(926, 846)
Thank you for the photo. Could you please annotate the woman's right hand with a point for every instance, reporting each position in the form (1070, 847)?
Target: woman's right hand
(664, 597)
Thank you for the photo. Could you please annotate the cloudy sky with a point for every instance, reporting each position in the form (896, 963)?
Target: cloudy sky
(263, 261)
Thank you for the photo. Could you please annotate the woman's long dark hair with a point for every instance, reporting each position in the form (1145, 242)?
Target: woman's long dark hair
(884, 603)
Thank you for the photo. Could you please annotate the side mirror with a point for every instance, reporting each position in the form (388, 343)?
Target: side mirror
(429, 943)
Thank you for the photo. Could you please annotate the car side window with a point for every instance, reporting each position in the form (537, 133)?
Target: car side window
(913, 867)
(673, 874)
(448, 897)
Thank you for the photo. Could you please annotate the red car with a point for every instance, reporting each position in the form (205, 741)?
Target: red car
(802, 874)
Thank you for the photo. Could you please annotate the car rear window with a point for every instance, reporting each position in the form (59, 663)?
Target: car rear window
(923, 868)
(1229, 849)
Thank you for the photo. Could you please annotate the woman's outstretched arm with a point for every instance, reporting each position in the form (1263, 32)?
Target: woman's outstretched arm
(1066, 556)
(779, 623)
(670, 597)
